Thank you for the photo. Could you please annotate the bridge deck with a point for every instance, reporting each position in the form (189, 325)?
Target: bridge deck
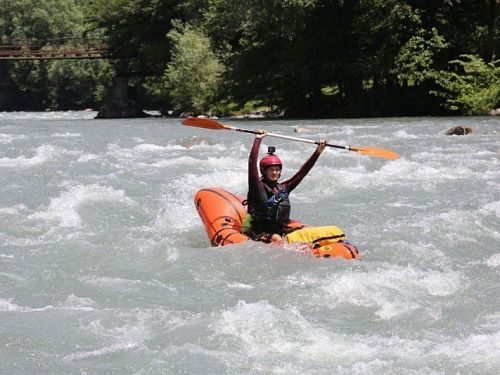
(56, 52)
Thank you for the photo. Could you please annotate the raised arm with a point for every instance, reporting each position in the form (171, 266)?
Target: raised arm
(292, 182)
(253, 170)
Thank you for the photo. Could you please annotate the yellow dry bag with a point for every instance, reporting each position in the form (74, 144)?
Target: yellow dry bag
(316, 235)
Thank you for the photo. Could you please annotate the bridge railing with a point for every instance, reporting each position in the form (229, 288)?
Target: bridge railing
(62, 48)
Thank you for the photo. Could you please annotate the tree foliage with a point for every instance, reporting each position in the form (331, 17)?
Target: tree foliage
(193, 75)
(47, 84)
(472, 86)
(137, 28)
(299, 57)
(414, 63)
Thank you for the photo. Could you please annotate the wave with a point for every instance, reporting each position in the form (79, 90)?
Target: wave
(64, 208)
(49, 115)
(42, 154)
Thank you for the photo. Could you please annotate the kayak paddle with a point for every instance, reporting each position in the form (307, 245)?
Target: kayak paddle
(207, 123)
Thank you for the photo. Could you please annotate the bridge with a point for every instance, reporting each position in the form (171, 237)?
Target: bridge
(120, 105)
(58, 49)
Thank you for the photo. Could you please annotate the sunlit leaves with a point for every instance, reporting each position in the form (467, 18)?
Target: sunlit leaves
(193, 75)
(472, 86)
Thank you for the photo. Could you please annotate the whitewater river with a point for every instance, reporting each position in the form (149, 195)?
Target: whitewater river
(105, 267)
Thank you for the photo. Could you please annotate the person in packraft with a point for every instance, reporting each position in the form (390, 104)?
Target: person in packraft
(268, 200)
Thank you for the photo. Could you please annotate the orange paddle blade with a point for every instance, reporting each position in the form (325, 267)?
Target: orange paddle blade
(374, 151)
(206, 123)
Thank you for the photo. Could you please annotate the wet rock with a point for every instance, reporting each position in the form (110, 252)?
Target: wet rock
(495, 112)
(111, 111)
(460, 130)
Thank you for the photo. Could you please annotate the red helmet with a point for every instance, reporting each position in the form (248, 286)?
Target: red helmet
(269, 160)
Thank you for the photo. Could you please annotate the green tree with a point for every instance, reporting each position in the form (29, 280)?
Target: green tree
(193, 76)
(137, 29)
(303, 57)
(414, 63)
(78, 83)
(472, 87)
(47, 84)
(290, 53)
(469, 26)
(257, 41)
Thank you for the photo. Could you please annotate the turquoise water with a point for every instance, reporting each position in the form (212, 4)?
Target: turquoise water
(105, 267)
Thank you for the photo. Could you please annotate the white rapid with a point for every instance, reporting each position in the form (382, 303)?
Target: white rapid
(105, 267)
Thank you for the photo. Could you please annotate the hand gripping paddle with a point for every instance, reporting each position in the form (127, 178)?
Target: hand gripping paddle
(207, 123)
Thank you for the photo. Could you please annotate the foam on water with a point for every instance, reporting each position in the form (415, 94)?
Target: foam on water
(494, 261)
(267, 334)
(491, 208)
(71, 303)
(42, 155)
(10, 138)
(393, 292)
(69, 115)
(65, 135)
(64, 208)
(100, 241)
(146, 147)
(13, 210)
(261, 328)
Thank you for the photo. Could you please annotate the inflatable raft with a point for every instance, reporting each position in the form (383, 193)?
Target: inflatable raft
(223, 214)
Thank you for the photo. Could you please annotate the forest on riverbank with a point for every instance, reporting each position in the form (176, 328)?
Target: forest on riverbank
(293, 58)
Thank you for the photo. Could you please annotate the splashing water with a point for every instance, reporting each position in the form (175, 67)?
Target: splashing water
(105, 266)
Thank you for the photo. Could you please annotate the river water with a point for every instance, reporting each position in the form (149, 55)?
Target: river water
(105, 267)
